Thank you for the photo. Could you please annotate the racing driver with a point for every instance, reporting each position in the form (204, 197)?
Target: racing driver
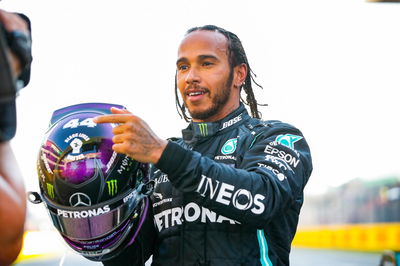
(229, 192)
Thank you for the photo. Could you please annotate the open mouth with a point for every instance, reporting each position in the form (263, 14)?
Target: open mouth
(195, 93)
(195, 96)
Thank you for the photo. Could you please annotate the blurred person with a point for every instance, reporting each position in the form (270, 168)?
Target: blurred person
(230, 190)
(15, 60)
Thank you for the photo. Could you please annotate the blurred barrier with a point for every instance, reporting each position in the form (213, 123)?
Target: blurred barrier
(358, 237)
(39, 244)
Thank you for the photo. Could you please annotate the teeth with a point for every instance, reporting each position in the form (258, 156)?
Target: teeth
(195, 93)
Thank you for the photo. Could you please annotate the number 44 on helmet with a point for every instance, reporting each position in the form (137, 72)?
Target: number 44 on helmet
(97, 199)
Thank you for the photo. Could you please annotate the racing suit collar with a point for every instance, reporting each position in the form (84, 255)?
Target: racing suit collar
(200, 130)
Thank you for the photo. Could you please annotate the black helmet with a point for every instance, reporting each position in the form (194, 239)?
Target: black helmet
(96, 198)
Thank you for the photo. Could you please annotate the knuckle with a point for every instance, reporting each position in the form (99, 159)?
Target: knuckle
(131, 135)
(116, 129)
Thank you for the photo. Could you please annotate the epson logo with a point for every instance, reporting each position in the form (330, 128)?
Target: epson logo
(231, 122)
(287, 157)
(226, 194)
(191, 212)
(83, 214)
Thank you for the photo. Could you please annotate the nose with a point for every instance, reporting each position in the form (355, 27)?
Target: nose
(192, 76)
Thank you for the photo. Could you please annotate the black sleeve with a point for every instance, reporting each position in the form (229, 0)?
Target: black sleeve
(274, 170)
(142, 248)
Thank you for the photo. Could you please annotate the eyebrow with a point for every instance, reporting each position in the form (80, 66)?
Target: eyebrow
(200, 57)
(203, 57)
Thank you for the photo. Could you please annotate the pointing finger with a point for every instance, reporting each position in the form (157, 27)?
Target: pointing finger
(115, 110)
(119, 118)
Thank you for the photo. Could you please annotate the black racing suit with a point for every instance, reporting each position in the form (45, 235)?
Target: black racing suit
(227, 193)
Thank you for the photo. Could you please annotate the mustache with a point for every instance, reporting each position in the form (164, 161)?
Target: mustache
(196, 87)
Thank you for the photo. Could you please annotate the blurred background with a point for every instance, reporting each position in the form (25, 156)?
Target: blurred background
(331, 68)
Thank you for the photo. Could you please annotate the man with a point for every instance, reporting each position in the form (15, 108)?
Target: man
(230, 191)
(15, 59)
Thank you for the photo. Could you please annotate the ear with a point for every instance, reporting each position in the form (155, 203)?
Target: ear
(240, 73)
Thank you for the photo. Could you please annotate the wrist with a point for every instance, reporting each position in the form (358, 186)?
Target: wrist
(174, 159)
(159, 151)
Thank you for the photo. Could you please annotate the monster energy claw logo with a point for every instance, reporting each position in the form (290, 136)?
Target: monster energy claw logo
(203, 129)
(112, 186)
(50, 190)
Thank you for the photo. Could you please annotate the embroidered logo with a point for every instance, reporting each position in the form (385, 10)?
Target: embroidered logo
(288, 140)
(203, 129)
(229, 146)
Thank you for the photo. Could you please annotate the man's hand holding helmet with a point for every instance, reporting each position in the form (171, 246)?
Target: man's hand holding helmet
(133, 136)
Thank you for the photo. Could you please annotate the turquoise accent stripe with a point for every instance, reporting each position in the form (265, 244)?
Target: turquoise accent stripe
(254, 140)
(262, 242)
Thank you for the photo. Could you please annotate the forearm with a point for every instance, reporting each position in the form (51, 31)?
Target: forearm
(12, 205)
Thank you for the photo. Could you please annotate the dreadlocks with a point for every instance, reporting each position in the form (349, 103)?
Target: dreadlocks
(237, 56)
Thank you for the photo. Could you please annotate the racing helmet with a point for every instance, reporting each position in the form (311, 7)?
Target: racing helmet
(96, 198)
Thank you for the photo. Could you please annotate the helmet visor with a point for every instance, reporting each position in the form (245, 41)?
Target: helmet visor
(106, 247)
(90, 222)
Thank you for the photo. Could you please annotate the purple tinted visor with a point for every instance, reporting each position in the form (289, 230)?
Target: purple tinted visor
(91, 222)
(100, 248)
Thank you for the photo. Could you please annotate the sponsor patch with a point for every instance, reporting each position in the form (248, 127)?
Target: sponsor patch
(163, 178)
(50, 190)
(203, 129)
(83, 214)
(228, 194)
(229, 146)
(278, 174)
(288, 140)
(125, 165)
(287, 157)
(231, 122)
(80, 199)
(224, 157)
(112, 186)
(191, 212)
(162, 202)
(279, 162)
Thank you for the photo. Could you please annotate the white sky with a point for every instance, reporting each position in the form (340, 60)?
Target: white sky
(330, 67)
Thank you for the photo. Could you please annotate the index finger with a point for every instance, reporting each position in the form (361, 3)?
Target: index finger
(113, 118)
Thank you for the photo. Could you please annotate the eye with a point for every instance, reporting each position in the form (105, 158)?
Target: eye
(182, 67)
(207, 63)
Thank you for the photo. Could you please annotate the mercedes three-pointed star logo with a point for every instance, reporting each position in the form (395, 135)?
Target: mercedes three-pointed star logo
(79, 199)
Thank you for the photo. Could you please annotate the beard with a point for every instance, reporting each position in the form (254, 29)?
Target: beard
(218, 100)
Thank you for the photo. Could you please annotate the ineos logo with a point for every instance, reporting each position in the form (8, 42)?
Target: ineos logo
(79, 199)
